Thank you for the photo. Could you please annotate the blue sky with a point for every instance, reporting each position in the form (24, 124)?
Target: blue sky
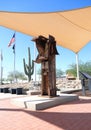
(23, 41)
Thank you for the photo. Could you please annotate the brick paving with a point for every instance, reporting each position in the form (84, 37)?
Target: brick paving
(75, 115)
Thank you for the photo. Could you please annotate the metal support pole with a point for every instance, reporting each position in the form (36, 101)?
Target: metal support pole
(77, 65)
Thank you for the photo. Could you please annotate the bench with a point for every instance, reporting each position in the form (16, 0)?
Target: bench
(86, 82)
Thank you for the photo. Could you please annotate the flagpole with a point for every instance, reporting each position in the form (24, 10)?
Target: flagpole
(14, 63)
(1, 57)
(13, 40)
(35, 63)
(14, 52)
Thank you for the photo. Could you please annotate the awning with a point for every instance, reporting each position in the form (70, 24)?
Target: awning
(71, 29)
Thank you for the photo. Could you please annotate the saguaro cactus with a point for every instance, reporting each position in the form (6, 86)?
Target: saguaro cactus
(28, 68)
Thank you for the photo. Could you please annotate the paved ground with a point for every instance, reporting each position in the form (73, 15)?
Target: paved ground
(87, 93)
(75, 115)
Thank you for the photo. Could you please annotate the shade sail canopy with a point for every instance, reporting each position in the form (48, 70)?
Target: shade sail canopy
(71, 29)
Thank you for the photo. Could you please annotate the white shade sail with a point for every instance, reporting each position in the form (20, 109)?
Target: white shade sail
(71, 29)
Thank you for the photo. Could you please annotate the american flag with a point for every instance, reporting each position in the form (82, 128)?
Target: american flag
(1, 56)
(13, 48)
(12, 40)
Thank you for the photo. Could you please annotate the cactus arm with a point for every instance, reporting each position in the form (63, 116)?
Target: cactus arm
(32, 67)
(25, 68)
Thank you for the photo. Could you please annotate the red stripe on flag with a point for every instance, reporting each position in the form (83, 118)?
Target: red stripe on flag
(12, 40)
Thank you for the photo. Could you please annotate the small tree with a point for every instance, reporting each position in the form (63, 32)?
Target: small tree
(84, 67)
(18, 75)
(10, 77)
(72, 70)
(22, 76)
(59, 73)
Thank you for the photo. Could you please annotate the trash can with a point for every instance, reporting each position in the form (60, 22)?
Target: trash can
(1, 90)
(13, 90)
(18, 90)
(5, 90)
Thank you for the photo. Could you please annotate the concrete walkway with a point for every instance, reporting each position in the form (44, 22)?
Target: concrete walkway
(75, 115)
